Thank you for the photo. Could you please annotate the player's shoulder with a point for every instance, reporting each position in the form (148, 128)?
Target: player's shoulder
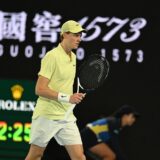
(51, 53)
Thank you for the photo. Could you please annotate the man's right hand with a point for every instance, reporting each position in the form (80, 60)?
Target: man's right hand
(76, 98)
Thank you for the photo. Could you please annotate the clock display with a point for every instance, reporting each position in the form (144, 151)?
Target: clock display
(17, 101)
(18, 132)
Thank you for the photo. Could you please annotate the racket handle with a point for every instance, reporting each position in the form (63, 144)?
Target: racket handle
(69, 111)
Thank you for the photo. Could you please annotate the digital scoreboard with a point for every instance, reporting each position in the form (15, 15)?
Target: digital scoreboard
(17, 101)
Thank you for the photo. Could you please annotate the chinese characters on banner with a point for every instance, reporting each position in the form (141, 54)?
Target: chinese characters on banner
(46, 28)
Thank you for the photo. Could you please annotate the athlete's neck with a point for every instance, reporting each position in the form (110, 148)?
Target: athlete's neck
(66, 49)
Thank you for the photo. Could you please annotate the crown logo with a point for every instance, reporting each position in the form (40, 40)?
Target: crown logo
(17, 91)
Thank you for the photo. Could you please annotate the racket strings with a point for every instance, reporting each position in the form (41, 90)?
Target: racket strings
(93, 72)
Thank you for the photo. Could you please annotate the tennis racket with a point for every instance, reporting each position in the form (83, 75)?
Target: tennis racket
(92, 73)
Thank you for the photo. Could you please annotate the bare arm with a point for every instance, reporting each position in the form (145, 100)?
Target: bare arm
(43, 90)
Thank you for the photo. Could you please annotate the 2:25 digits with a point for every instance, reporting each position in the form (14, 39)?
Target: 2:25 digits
(18, 131)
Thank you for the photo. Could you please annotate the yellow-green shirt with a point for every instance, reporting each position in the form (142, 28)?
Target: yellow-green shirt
(57, 66)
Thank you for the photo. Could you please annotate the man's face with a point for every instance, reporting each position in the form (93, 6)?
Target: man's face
(73, 40)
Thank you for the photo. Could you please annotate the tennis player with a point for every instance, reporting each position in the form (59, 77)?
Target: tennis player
(101, 137)
(55, 90)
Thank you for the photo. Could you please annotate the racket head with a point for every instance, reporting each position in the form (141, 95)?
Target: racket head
(93, 72)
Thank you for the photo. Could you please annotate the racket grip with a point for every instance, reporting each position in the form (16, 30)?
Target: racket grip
(69, 111)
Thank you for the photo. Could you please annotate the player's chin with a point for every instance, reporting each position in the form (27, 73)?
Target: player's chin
(76, 46)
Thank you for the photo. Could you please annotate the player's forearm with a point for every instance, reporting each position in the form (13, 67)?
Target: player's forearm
(47, 93)
(53, 95)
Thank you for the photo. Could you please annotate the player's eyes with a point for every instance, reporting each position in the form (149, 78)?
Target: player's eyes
(77, 34)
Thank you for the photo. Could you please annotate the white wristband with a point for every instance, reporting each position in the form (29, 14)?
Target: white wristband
(62, 97)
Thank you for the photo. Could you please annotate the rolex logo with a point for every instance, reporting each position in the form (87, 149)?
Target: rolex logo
(17, 91)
